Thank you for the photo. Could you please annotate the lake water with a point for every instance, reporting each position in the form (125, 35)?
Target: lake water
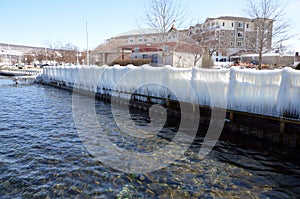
(43, 156)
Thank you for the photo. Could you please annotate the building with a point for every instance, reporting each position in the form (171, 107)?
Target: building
(11, 55)
(270, 60)
(224, 39)
(172, 48)
(228, 37)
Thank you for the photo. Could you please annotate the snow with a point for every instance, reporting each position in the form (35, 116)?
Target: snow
(272, 92)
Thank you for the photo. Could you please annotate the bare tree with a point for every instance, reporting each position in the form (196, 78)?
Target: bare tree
(161, 15)
(207, 45)
(270, 24)
(196, 40)
(40, 55)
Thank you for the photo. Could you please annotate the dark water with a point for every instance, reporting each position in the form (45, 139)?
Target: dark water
(42, 156)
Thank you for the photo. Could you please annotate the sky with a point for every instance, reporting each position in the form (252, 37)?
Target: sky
(40, 22)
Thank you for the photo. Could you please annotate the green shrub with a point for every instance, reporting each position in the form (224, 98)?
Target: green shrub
(136, 62)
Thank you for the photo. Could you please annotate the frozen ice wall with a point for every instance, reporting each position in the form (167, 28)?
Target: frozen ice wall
(273, 93)
(254, 91)
(211, 87)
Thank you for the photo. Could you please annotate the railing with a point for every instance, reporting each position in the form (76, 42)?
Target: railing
(21, 72)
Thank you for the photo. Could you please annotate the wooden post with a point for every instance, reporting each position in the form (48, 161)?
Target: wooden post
(168, 102)
(282, 127)
(231, 116)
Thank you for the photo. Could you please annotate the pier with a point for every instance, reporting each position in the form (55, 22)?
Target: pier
(264, 108)
(21, 75)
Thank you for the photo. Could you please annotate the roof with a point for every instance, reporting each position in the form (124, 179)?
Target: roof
(232, 18)
(143, 31)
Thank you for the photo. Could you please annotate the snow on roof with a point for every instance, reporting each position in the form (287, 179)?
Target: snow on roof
(143, 31)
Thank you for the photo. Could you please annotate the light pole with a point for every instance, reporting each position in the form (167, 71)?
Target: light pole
(87, 45)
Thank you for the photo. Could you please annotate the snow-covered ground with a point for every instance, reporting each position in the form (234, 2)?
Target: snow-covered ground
(271, 92)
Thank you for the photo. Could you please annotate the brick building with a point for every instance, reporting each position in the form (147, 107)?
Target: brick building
(228, 36)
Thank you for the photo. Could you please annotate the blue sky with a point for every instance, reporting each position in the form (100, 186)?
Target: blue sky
(37, 22)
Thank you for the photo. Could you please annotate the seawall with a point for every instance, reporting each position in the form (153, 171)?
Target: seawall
(260, 103)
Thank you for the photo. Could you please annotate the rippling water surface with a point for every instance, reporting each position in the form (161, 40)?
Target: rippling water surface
(42, 156)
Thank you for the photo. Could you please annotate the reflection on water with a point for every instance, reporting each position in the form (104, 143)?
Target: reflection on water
(41, 155)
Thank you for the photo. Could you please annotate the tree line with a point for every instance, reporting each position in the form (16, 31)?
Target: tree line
(56, 52)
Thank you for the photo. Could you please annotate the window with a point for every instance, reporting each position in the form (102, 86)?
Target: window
(140, 39)
(232, 34)
(239, 43)
(223, 23)
(241, 25)
(232, 24)
(131, 40)
(247, 26)
(231, 43)
(240, 34)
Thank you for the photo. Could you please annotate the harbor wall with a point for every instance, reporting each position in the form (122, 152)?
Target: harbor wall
(271, 92)
(263, 104)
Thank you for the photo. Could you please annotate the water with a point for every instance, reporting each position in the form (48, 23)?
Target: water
(42, 156)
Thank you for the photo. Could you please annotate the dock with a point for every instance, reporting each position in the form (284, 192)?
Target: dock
(21, 75)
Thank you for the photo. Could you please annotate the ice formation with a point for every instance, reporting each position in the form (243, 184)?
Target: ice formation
(272, 92)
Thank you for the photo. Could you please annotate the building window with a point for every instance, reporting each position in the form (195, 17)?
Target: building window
(239, 43)
(232, 33)
(231, 43)
(145, 40)
(130, 40)
(223, 23)
(232, 24)
(140, 39)
(241, 25)
(240, 34)
(247, 26)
